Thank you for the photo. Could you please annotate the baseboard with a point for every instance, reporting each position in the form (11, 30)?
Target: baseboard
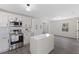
(65, 37)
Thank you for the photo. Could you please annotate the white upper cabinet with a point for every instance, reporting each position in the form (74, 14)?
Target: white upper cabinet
(29, 21)
(26, 21)
(3, 19)
(13, 17)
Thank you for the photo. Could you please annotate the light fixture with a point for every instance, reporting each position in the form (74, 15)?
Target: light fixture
(28, 7)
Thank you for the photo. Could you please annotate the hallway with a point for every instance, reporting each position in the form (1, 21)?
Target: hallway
(62, 46)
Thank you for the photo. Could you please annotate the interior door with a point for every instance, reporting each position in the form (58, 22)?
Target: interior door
(45, 28)
(77, 29)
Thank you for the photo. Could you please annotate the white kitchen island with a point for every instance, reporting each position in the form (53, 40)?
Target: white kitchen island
(42, 44)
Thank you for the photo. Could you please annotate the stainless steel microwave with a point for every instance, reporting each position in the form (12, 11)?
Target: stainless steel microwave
(15, 24)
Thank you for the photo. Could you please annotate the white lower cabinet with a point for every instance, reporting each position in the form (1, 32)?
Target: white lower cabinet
(26, 39)
(4, 45)
(42, 44)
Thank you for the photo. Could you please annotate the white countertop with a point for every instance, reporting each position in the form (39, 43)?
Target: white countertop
(41, 36)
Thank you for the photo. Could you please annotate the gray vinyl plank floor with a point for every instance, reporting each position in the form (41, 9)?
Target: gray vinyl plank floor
(62, 46)
(65, 46)
(22, 50)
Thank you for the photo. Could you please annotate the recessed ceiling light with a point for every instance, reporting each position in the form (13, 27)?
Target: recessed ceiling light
(28, 7)
(28, 4)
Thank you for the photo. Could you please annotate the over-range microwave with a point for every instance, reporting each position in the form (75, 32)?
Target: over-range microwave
(15, 23)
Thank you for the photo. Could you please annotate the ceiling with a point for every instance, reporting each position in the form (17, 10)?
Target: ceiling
(46, 11)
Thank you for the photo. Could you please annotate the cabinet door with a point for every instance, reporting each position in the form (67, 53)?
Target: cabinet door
(29, 22)
(4, 37)
(26, 39)
(26, 29)
(3, 19)
(24, 21)
(4, 45)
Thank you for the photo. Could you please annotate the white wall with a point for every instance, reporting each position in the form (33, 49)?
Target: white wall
(56, 27)
(42, 26)
(37, 27)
